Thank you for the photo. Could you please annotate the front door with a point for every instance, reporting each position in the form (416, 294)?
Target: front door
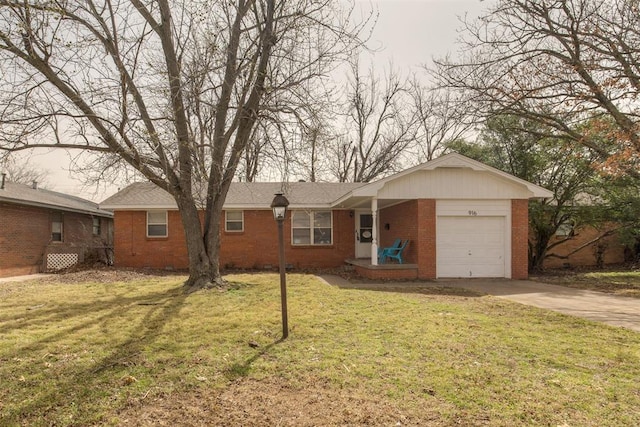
(364, 234)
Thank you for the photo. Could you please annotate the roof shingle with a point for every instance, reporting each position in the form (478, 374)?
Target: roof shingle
(27, 195)
(145, 195)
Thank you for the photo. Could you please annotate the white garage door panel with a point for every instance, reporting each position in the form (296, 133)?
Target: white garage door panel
(471, 246)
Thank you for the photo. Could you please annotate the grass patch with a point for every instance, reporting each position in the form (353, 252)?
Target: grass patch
(140, 351)
(619, 282)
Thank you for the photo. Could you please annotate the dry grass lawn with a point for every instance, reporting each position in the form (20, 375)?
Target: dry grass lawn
(126, 348)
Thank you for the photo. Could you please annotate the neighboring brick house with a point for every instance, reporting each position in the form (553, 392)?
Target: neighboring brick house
(586, 247)
(42, 230)
(462, 218)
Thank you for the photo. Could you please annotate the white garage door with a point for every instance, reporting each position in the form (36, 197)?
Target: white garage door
(470, 246)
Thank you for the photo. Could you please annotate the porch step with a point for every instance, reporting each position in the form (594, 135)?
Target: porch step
(366, 263)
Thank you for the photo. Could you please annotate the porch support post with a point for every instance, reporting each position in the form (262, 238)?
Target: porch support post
(374, 232)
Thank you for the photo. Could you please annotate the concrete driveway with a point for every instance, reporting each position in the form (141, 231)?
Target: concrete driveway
(597, 306)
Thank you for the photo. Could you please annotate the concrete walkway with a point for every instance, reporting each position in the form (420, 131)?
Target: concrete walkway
(597, 306)
(23, 278)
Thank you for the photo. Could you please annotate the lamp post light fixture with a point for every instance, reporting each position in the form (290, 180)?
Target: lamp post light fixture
(279, 206)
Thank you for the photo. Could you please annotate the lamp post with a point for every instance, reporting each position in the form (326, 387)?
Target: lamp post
(279, 206)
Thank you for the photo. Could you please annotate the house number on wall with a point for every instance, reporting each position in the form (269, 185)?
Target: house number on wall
(473, 213)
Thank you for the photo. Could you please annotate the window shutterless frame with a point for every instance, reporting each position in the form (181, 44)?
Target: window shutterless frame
(57, 227)
(312, 228)
(157, 224)
(97, 229)
(234, 221)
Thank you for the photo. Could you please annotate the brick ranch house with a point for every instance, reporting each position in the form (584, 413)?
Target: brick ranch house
(42, 230)
(462, 219)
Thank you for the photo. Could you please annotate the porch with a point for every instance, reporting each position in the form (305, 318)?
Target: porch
(364, 268)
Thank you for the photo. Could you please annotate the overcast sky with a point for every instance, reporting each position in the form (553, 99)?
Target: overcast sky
(408, 33)
(411, 32)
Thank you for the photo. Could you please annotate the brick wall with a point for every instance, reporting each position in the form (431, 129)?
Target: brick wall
(394, 274)
(427, 239)
(400, 222)
(519, 239)
(24, 233)
(614, 250)
(78, 238)
(414, 220)
(257, 245)
(25, 237)
(254, 247)
(133, 248)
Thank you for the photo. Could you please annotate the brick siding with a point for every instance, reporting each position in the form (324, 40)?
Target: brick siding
(427, 240)
(614, 250)
(24, 234)
(519, 239)
(380, 274)
(133, 248)
(414, 220)
(401, 222)
(25, 237)
(254, 247)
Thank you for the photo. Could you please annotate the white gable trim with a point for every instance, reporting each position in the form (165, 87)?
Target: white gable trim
(452, 160)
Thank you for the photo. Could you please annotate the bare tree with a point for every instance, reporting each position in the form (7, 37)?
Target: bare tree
(558, 62)
(255, 153)
(293, 140)
(173, 89)
(22, 172)
(308, 157)
(378, 127)
(440, 118)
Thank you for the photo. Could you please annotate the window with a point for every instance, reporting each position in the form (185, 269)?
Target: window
(566, 229)
(157, 224)
(56, 227)
(234, 221)
(96, 226)
(311, 228)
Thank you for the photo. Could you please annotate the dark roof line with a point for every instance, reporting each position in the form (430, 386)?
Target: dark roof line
(29, 196)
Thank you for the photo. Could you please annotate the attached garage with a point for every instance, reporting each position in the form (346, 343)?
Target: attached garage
(463, 219)
(472, 238)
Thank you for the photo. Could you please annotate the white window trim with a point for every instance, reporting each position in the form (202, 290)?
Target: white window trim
(165, 223)
(226, 221)
(311, 228)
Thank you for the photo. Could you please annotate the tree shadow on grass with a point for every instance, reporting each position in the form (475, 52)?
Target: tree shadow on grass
(49, 393)
(47, 313)
(241, 369)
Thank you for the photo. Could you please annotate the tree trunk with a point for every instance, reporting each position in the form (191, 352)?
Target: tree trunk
(538, 252)
(212, 242)
(203, 273)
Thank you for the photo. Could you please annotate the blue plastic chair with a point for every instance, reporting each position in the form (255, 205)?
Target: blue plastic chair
(390, 251)
(394, 252)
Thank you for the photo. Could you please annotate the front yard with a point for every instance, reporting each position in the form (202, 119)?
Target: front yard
(83, 349)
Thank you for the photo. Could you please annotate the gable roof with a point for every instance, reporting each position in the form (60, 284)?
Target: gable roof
(447, 161)
(26, 195)
(242, 195)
